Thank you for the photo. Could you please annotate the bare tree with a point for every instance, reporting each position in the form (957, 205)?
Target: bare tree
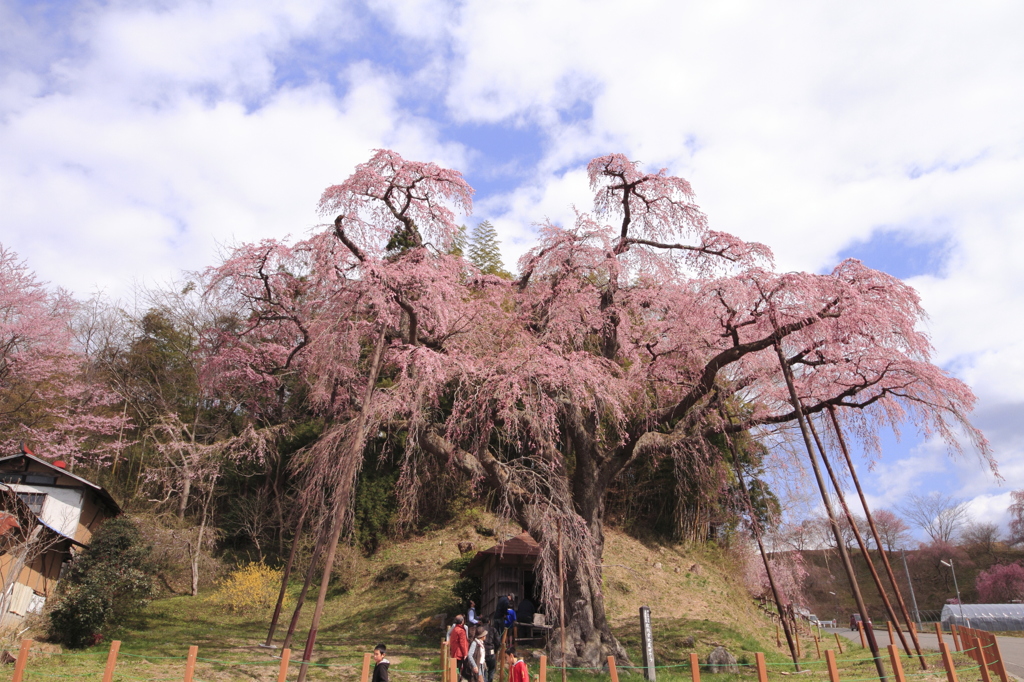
(942, 517)
(982, 536)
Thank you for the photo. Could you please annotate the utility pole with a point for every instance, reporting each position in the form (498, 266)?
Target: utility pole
(910, 584)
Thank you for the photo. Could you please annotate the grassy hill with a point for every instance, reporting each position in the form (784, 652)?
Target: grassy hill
(398, 597)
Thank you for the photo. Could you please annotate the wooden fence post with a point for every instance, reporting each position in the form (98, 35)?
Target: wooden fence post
(108, 672)
(190, 664)
(938, 632)
(817, 647)
(694, 668)
(453, 670)
(778, 642)
(611, 669)
(839, 642)
(947, 661)
(1000, 663)
(19, 665)
(444, 660)
(364, 676)
(897, 664)
(286, 657)
(954, 631)
(543, 668)
(762, 669)
(830, 661)
(980, 649)
(863, 639)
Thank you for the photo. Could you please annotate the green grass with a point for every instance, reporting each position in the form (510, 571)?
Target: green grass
(707, 605)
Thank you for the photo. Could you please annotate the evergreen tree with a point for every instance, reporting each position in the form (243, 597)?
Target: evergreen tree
(460, 243)
(484, 251)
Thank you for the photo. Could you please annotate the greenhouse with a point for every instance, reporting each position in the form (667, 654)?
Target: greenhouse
(991, 617)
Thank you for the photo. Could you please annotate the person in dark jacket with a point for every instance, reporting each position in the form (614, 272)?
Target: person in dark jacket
(502, 608)
(524, 614)
(380, 665)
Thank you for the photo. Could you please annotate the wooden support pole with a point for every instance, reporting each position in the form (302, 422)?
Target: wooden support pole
(762, 669)
(796, 638)
(863, 639)
(839, 642)
(947, 662)
(611, 669)
(453, 670)
(897, 664)
(938, 633)
(543, 669)
(830, 661)
(778, 642)
(954, 631)
(888, 626)
(19, 665)
(817, 647)
(502, 657)
(108, 672)
(982, 662)
(190, 663)
(364, 675)
(694, 668)
(282, 673)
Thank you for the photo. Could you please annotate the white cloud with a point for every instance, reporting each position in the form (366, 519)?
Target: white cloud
(129, 172)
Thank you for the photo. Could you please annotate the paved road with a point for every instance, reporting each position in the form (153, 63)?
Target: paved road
(1011, 647)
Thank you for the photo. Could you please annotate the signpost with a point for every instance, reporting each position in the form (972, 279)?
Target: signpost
(647, 642)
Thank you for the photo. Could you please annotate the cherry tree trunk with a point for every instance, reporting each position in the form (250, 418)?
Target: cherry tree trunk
(588, 638)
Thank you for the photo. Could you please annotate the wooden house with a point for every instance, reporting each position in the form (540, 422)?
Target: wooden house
(506, 568)
(55, 508)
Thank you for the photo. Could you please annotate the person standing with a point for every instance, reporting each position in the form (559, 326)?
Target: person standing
(458, 642)
(381, 665)
(491, 647)
(471, 615)
(518, 671)
(476, 659)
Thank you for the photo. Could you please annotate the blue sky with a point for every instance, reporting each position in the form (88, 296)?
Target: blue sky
(139, 137)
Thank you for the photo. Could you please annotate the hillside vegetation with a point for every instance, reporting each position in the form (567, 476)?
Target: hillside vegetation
(933, 583)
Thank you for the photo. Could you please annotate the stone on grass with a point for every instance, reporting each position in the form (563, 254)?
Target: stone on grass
(721, 661)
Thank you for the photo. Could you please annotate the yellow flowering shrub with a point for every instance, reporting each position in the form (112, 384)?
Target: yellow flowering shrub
(249, 589)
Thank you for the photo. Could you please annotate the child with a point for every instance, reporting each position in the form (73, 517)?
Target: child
(380, 664)
(518, 671)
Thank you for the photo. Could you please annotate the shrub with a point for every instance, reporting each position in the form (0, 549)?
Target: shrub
(465, 588)
(108, 583)
(249, 589)
(392, 573)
